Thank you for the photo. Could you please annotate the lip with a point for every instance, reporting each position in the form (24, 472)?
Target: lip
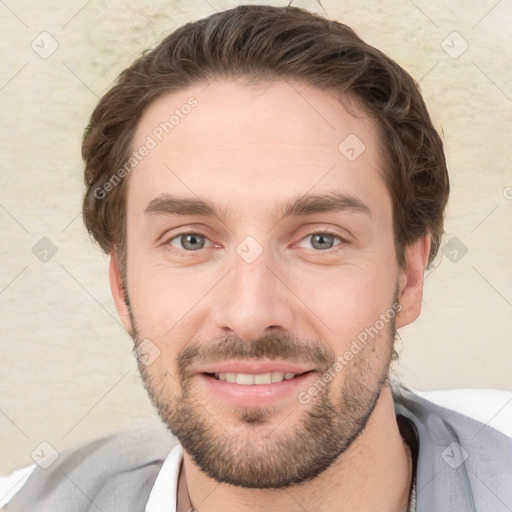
(254, 395)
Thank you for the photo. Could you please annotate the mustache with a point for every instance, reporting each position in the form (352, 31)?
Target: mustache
(273, 346)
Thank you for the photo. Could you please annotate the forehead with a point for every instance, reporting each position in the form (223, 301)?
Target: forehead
(239, 142)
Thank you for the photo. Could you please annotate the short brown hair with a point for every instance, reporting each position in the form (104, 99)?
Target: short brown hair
(272, 43)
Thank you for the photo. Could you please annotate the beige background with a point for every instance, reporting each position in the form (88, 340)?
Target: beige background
(66, 368)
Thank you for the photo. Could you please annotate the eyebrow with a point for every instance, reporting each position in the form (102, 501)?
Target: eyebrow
(166, 204)
(308, 204)
(331, 202)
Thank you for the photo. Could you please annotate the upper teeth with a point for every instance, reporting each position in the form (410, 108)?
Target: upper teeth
(262, 378)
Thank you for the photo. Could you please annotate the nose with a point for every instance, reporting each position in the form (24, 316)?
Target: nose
(252, 301)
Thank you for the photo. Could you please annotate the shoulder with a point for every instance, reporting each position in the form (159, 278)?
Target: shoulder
(490, 409)
(465, 449)
(110, 471)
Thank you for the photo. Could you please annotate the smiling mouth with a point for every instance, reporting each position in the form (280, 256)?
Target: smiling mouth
(249, 379)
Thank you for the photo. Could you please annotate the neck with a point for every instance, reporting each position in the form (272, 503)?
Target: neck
(375, 473)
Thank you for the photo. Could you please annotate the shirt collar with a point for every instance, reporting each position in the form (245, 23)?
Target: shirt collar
(165, 489)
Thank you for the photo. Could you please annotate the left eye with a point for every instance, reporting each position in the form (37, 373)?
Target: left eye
(189, 241)
(321, 241)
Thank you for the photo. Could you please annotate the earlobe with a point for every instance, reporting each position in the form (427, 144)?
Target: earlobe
(118, 293)
(410, 281)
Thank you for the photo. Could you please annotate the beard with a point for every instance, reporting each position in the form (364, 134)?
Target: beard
(258, 456)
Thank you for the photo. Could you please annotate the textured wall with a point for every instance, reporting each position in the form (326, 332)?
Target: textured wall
(66, 368)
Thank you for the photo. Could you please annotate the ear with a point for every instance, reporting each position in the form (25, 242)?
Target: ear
(410, 281)
(118, 293)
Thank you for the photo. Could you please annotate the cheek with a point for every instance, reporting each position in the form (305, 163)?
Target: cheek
(167, 302)
(347, 300)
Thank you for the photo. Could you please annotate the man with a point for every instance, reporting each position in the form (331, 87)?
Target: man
(270, 190)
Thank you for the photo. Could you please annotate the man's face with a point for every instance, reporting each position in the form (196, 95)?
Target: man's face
(260, 246)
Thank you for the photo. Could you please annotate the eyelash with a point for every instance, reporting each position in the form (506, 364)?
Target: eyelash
(341, 240)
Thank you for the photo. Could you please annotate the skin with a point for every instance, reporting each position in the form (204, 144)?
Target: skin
(248, 150)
